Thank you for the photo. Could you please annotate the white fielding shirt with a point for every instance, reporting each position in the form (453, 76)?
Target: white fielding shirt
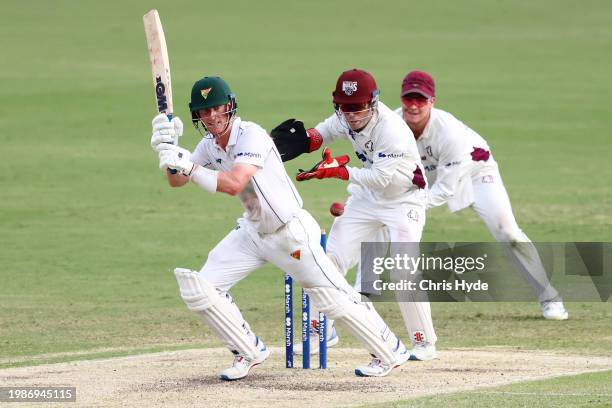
(452, 153)
(389, 157)
(270, 199)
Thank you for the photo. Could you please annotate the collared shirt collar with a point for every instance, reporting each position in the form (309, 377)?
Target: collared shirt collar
(427, 131)
(233, 138)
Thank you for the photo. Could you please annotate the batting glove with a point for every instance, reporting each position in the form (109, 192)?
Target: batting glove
(176, 158)
(165, 130)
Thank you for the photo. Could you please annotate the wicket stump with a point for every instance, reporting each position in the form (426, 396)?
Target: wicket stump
(321, 327)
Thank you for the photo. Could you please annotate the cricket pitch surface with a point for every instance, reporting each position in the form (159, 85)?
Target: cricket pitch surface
(190, 377)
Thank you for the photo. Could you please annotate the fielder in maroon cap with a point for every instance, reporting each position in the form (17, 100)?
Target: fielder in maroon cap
(462, 173)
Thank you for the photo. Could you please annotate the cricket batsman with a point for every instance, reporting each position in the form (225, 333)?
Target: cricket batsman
(462, 173)
(238, 158)
(389, 191)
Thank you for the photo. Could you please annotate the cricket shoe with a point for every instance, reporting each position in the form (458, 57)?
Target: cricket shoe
(242, 365)
(423, 352)
(377, 368)
(554, 311)
(314, 343)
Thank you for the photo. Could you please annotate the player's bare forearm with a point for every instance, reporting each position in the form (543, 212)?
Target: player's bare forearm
(234, 181)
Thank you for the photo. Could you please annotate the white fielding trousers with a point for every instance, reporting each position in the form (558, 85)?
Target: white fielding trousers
(492, 204)
(364, 221)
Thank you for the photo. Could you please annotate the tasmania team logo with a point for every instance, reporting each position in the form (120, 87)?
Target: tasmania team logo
(349, 87)
(205, 92)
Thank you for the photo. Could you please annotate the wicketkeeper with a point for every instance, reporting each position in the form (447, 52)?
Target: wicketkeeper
(388, 191)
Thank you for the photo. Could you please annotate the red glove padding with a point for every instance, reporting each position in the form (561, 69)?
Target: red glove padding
(329, 167)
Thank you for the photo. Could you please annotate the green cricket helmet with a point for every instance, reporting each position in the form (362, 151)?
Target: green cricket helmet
(210, 92)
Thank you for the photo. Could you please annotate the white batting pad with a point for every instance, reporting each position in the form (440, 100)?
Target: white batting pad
(218, 312)
(359, 318)
(417, 318)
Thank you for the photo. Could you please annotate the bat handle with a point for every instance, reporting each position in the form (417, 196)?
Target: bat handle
(171, 171)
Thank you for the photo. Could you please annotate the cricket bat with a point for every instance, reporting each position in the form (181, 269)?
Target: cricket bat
(160, 63)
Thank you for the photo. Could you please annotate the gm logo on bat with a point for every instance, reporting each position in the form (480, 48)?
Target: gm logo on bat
(160, 91)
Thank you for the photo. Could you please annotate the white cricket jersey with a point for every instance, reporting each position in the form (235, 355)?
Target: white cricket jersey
(452, 154)
(270, 199)
(392, 172)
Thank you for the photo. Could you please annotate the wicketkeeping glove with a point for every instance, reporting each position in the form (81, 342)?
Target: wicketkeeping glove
(176, 158)
(329, 167)
(292, 139)
(166, 131)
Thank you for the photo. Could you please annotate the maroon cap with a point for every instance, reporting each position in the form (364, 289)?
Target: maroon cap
(419, 82)
(355, 86)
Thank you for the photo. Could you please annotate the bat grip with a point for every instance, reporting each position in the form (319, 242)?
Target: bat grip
(171, 171)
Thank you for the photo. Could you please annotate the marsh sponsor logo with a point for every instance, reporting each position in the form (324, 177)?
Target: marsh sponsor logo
(454, 163)
(391, 155)
(248, 154)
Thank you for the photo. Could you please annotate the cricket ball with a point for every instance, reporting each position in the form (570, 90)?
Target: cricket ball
(336, 209)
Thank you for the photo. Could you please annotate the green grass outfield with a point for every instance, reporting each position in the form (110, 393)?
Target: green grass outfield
(89, 231)
(585, 390)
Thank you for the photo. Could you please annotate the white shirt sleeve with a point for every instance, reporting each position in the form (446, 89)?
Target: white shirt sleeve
(331, 129)
(389, 152)
(453, 164)
(253, 148)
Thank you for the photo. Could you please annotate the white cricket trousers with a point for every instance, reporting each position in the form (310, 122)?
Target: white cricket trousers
(244, 250)
(492, 204)
(364, 221)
